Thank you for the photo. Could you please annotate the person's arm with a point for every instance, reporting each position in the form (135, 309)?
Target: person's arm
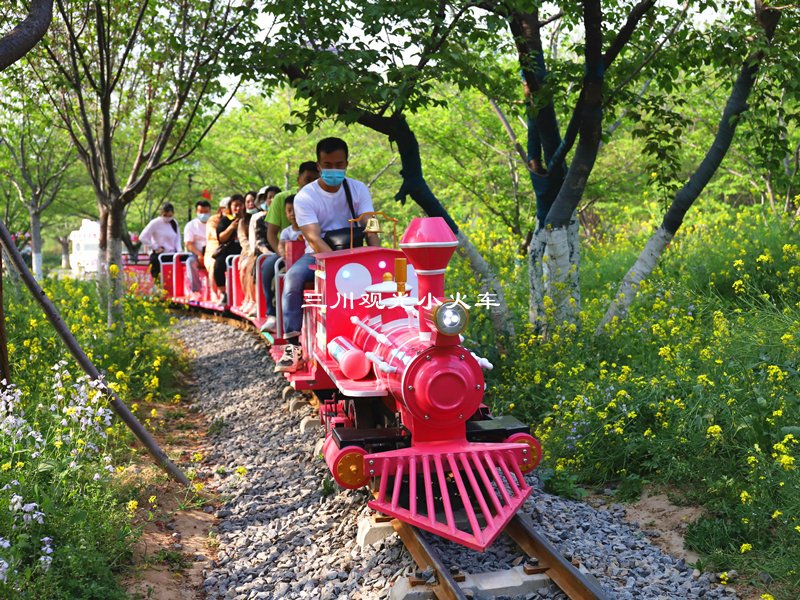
(261, 236)
(272, 234)
(191, 245)
(364, 205)
(146, 237)
(225, 235)
(177, 236)
(313, 236)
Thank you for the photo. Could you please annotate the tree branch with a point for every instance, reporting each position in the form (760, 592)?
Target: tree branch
(20, 40)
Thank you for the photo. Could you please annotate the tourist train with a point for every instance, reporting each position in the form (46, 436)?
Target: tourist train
(400, 397)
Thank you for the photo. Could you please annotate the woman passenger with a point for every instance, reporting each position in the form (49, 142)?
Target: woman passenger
(212, 243)
(247, 257)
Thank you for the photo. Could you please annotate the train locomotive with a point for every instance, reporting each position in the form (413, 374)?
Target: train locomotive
(400, 397)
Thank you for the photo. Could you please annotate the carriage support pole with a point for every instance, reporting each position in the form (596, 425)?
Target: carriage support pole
(87, 365)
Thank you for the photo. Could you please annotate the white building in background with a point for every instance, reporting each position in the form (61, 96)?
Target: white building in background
(84, 246)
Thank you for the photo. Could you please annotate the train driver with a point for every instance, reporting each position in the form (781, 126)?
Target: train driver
(320, 207)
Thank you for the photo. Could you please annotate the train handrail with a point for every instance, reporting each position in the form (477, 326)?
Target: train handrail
(179, 257)
(279, 275)
(259, 288)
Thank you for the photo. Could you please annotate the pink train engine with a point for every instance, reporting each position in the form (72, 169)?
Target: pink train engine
(401, 399)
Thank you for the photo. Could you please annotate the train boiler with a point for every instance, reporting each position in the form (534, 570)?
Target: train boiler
(401, 398)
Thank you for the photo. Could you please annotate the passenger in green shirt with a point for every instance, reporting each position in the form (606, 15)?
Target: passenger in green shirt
(276, 217)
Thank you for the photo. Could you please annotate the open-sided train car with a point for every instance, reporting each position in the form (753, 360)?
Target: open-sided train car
(401, 399)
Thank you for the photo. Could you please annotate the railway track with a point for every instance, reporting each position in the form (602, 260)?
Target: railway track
(543, 562)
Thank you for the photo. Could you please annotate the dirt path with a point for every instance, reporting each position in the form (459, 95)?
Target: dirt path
(176, 544)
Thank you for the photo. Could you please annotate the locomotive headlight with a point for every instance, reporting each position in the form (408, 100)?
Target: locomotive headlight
(451, 318)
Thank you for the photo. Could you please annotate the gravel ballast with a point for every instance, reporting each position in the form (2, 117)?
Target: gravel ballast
(284, 532)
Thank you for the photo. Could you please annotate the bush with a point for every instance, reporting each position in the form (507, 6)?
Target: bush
(65, 525)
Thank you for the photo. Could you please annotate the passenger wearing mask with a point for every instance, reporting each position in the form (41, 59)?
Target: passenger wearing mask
(162, 234)
(323, 209)
(306, 173)
(212, 243)
(194, 237)
(227, 230)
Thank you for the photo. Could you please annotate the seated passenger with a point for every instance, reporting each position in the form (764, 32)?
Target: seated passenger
(161, 235)
(212, 243)
(321, 207)
(194, 236)
(276, 223)
(289, 234)
(247, 257)
(227, 231)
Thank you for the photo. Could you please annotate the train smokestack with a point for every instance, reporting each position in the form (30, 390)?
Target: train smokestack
(429, 244)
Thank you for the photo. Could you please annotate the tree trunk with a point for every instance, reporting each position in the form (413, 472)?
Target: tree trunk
(686, 196)
(64, 242)
(640, 270)
(102, 265)
(114, 262)
(36, 243)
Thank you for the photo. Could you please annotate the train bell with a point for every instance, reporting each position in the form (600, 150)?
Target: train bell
(373, 225)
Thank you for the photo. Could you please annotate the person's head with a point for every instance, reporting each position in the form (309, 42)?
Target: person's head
(250, 203)
(270, 192)
(203, 210)
(236, 205)
(223, 205)
(288, 206)
(307, 173)
(167, 211)
(332, 155)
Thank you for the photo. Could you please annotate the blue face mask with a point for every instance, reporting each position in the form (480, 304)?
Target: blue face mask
(252, 211)
(204, 217)
(332, 177)
(263, 206)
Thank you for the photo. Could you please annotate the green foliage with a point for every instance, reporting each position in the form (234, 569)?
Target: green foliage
(697, 388)
(66, 531)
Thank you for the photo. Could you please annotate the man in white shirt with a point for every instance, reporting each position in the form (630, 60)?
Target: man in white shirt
(161, 235)
(194, 236)
(320, 207)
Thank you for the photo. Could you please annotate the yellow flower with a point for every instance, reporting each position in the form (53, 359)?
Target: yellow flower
(714, 432)
(132, 506)
(197, 457)
(745, 548)
(776, 514)
(113, 270)
(152, 499)
(241, 471)
(767, 597)
(6, 466)
(198, 487)
(745, 497)
(154, 413)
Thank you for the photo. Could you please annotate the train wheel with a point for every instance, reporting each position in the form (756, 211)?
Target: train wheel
(360, 412)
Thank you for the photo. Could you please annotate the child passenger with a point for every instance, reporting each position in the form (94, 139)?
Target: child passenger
(292, 232)
(288, 234)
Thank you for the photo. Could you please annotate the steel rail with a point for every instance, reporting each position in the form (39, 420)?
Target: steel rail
(446, 587)
(562, 572)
